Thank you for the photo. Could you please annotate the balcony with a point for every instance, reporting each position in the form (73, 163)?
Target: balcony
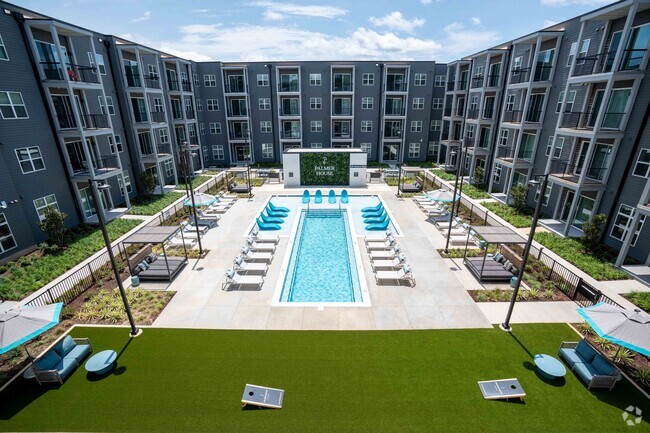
(152, 82)
(149, 150)
(533, 116)
(103, 165)
(472, 113)
(396, 87)
(141, 116)
(519, 75)
(570, 173)
(505, 153)
(394, 111)
(542, 73)
(450, 86)
(462, 85)
(237, 135)
(340, 111)
(186, 85)
(604, 62)
(94, 121)
(237, 112)
(341, 134)
(488, 113)
(447, 112)
(586, 120)
(290, 135)
(236, 88)
(289, 111)
(193, 140)
(288, 87)
(177, 114)
(173, 85)
(164, 149)
(157, 116)
(477, 82)
(133, 80)
(493, 80)
(512, 116)
(76, 73)
(189, 113)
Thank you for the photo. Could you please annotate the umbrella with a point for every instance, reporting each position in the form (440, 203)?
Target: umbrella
(201, 199)
(626, 328)
(442, 195)
(19, 325)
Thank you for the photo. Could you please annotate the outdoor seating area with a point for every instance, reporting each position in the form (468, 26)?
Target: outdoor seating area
(147, 265)
(388, 264)
(494, 267)
(589, 365)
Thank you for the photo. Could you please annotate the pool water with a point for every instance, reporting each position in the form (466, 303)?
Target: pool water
(322, 266)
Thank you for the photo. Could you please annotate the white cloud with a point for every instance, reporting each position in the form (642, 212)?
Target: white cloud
(548, 23)
(145, 17)
(475, 20)
(460, 41)
(397, 21)
(425, 2)
(559, 3)
(199, 11)
(277, 11)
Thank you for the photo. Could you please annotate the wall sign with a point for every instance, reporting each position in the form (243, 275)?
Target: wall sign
(324, 168)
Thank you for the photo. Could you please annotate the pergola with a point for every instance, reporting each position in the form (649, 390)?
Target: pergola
(491, 270)
(158, 235)
(241, 189)
(408, 173)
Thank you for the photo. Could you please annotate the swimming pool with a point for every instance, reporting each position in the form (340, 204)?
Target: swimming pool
(324, 263)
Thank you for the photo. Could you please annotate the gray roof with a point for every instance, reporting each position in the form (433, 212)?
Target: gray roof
(499, 235)
(152, 235)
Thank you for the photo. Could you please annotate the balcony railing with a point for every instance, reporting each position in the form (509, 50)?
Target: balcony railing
(290, 112)
(462, 85)
(133, 80)
(236, 88)
(291, 87)
(241, 112)
(340, 88)
(488, 113)
(103, 164)
(342, 112)
(66, 121)
(396, 87)
(512, 116)
(158, 116)
(177, 114)
(76, 73)
(469, 141)
(504, 152)
(493, 80)
(447, 112)
(163, 149)
(518, 76)
(542, 73)
(173, 85)
(632, 60)
(152, 82)
(189, 113)
(140, 116)
(394, 111)
(533, 116)
(472, 113)
(186, 85)
(450, 85)
(95, 121)
(193, 140)
(477, 81)
(525, 154)
(290, 135)
(341, 135)
(604, 62)
(146, 149)
(576, 120)
(572, 172)
(237, 135)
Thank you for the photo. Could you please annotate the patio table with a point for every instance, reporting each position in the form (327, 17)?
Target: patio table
(102, 362)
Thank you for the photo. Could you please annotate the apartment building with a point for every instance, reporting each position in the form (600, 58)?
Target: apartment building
(572, 102)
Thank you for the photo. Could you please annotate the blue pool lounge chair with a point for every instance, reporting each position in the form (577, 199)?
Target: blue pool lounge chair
(373, 213)
(264, 226)
(306, 198)
(378, 219)
(331, 197)
(319, 197)
(344, 197)
(275, 214)
(270, 220)
(279, 208)
(379, 226)
(373, 208)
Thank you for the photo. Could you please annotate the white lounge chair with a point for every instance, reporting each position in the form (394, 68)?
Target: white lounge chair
(258, 246)
(388, 236)
(223, 195)
(234, 278)
(241, 265)
(256, 255)
(190, 228)
(395, 263)
(257, 236)
(398, 276)
(385, 254)
(385, 245)
(178, 241)
(207, 215)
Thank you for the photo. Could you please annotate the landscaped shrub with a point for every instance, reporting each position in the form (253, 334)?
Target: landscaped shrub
(148, 183)
(476, 192)
(640, 299)
(510, 214)
(54, 226)
(479, 174)
(152, 204)
(592, 230)
(519, 194)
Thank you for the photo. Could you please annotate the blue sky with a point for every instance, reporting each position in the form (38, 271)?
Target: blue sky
(441, 30)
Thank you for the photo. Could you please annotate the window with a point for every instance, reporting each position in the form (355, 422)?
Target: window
(469, 131)
(623, 222)
(197, 83)
(547, 193)
(100, 63)
(516, 63)
(118, 142)
(169, 167)
(434, 148)
(418, 103)
(3, 50)
(478, 73)
(316, 145)
(367, 79)
(164, 135)
(111, 144)
(7, 241)
(262, 80)
(267, 150)
(44, 203)
(642, 167)
(572, 53)
(204, 152)
(210, 80)
(414, 150)
(436, 125)
(420, 79)
(496, 175)
(30, 159)
(367, 103)
(549, 146)
(12, 106)
(315, 103)
(202, 128)
(127, 182)
(316, 126)
(559, 145)
(217, 152)
(265, 103)
(570, 100)
(366, 126)
(315, 79)
(215, 127)
(199, 105)
(213, 104)
(109, 105)
(416, 126)
(191, 129)
(560, 99)
(266, 126)
(366, 147)
(510, 102)
(584, 48)
(437, 104)
(503, 138)
(153, 72)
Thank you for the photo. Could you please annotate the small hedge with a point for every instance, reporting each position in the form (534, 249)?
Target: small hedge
(475, 192)
(640, 299)
(509, 214)
(198, 180)
(151, 205)
(599, 265)
(450, 177)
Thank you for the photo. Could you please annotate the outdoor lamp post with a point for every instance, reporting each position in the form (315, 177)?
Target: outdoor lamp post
(109, 249)
(248, 163)
(186, 152)
(463, 156)
(453, 198)
(542, 190)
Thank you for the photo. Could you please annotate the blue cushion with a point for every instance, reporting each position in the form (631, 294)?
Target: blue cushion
(78, 352)
(48, 361)
(585, 371)
(66, 366)
(570, 355)
(602, 366)
(64, 346)
(585, 351)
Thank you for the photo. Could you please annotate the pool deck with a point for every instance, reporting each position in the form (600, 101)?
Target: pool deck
(439, 300)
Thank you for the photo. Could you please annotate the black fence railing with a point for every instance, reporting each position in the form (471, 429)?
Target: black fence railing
(504, 152)
(396, 87)
(158, 116)
(235, 88)
(177, 113)
(152, 82)
(632, 60)
(577, 120)
(493, 80)
(488, 113)
(612, 120)
(77, 73)
(193, 140)
(66, 121)
(472, 113)
(395, 111)
(512, 116)
(141, 116)
(571, 172)
(164, 149)
(173, 85)
(477, 81)
(542, 73)
(106, 163)
(450, 85)
(294, 87)
(186, 85)
(296, 112)
(95, 121)
(533, 116)
(462, 85)
(240, 112)
(525, 154)
(189, 113)
(447, 112)
(519, 75)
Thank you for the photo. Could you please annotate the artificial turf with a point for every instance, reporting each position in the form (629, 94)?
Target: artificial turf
(377, 381)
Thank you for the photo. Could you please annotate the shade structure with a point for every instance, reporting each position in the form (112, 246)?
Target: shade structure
(19, 325)
(201, 199)
(442, 195)
(626, 328)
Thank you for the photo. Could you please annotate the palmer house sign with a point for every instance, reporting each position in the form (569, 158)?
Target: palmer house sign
(324, 168)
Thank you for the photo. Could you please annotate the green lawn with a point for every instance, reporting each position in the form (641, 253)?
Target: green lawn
(153, 204)
(475, 192)
(509, 214)
(376, 381)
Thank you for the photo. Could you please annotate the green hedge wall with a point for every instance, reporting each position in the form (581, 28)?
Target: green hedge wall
(324, 168)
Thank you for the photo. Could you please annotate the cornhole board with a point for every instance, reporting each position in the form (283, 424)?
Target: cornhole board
(502, 389)
(262, 396)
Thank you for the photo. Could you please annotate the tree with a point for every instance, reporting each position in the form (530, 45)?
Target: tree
(519, 194)
(479, 174)
(592, 230)
(54, 226)
(148, 182)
